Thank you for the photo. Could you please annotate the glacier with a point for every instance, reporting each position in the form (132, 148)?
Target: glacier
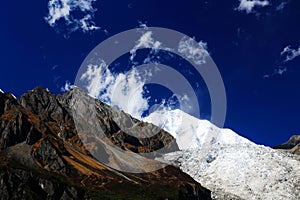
(231, 166)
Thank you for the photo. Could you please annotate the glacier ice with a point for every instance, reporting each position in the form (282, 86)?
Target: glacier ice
(231, 166)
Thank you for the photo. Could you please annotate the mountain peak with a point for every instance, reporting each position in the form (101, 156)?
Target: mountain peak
(191, 132)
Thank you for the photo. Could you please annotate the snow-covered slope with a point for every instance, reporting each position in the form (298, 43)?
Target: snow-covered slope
(229, 165)
(245, 170)
(1, 91)
(191, 132)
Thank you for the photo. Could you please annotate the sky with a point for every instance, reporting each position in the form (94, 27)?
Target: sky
(254, 44)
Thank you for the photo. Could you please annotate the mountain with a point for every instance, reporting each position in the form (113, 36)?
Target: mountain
(47, 151)
(291, 146)
(229, 165)
(190, 132)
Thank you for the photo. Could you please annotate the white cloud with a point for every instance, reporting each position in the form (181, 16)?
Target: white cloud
(280, 70)
(289, 53)
(86, 24)
(67, 87)
(126, 91)
(190, 49)
(143, 25)
(98, 78)
(145, 41)
(58, 9)
(65, 10)
(249, 5)
(123, 90)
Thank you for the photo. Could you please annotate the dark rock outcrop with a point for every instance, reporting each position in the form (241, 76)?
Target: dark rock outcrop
(292, 145)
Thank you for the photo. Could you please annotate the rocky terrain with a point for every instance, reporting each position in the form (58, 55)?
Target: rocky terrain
(47, 152)
(291, 146)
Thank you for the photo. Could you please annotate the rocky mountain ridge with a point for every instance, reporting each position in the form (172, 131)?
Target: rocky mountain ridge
(43, 155)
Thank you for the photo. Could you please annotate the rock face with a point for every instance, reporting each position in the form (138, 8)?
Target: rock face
(291, 146)
(43, 156)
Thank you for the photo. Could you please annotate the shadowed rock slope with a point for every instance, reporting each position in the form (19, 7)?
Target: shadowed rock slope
(42, 155)
(291, 146)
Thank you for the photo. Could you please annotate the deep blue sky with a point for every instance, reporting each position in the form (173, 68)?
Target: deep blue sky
(244, 46)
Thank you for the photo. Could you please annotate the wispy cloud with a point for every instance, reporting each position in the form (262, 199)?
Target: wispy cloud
(281, 6)
(145, 41)
(289, 53)
(67, 10)
(249, 5)
(67, 87)
(277, 71)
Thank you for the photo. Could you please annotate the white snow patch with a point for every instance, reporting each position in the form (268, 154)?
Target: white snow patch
(13, 96)
(1, 91)
(42, 185)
